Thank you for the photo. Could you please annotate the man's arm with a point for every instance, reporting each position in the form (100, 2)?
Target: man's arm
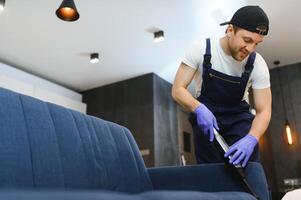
(205, 119)
(180, 93)
(263, 103)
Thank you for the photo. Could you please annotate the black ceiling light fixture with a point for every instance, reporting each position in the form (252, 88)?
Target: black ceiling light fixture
(286, 123)
(158, 36)
(94, 58)
(2, 4)
(67, 11)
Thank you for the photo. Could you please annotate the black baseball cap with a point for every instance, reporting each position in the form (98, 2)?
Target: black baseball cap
(251, 18)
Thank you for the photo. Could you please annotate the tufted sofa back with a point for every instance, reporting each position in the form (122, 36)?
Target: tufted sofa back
(43, 145)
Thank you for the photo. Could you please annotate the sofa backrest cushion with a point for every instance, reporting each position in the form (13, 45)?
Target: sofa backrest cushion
(43, 145)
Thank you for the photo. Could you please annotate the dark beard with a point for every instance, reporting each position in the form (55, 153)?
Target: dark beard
(234, 55)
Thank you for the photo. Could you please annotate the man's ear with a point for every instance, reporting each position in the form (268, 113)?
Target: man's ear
(230, 30)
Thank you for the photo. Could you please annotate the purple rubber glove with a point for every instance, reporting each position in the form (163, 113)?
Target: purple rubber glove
(206, 120)
(242, 150)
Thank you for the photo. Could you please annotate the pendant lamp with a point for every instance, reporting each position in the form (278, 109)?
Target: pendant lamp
(286, 124)
(288, 133)
(67, 11)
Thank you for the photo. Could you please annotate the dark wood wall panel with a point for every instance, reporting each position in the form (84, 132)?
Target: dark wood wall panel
(128, 103)
(143, 105)
(166, 124)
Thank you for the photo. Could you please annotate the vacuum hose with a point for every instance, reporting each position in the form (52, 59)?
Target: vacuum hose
(238, 168)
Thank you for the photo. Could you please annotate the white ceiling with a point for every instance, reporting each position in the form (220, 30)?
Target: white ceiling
(35, 40)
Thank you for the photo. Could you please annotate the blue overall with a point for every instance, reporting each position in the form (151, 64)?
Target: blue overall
(222, 94)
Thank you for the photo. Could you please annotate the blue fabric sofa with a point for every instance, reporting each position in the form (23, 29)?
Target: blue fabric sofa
(48, 152)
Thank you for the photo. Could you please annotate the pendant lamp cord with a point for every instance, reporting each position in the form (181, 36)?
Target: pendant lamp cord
(281, 90)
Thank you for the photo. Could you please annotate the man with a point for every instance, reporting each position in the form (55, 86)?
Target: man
(223, 70)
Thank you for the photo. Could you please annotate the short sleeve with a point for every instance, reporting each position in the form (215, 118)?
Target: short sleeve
(194, 55)
(260, 76)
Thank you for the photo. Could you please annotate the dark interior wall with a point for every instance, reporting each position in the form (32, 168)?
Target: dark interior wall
(128, 103)
(267, 160)
(165, 124)
(185, 130)
(143, 105)
(283, 161)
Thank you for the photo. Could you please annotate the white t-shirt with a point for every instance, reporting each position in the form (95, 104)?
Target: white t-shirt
(259, 78)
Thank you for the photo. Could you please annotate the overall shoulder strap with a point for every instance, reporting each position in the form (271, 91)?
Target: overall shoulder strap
(207, 55)
(249, 66)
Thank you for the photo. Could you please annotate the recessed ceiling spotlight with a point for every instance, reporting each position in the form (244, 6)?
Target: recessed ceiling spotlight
(94, 58)
(159, 36)
(2, 3)
(276, 62)
(67, 11)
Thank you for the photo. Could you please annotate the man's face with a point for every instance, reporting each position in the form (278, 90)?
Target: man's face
(242, 42)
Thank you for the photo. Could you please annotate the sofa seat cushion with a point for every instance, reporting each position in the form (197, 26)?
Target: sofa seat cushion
(194, 195)
(105, 195)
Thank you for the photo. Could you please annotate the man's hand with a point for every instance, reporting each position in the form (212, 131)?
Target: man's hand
(206, 120)
(242, 150)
